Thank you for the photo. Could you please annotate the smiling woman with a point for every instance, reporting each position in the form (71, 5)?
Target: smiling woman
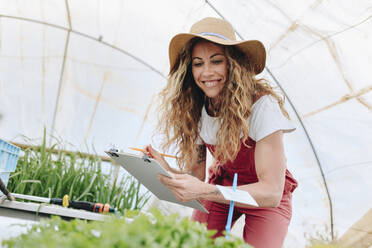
(214, 101)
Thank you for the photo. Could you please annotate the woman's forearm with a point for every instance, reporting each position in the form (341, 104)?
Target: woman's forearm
(263, 194)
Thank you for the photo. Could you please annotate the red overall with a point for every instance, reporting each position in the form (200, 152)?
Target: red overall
(264, 227)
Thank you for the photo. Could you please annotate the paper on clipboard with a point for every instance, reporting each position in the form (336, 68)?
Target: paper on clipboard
(146, 171)
(237, 195)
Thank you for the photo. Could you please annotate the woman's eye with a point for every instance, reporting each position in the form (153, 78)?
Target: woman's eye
(216, 62)
(197, 64)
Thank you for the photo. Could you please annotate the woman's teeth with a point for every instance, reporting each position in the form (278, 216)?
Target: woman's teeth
(211, 83)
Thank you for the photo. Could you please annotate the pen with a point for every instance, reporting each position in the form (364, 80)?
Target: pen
(231, 209)
(141, 150)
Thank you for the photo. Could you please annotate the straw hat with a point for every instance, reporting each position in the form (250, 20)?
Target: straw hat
(221, 32)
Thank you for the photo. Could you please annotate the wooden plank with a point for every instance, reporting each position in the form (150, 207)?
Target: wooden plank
(20, 215)
(359, 234)
(56, 151)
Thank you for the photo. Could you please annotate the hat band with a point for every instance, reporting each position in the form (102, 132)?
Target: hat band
(213, 34)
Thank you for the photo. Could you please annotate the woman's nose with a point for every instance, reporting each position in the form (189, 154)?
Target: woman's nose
(207, 69)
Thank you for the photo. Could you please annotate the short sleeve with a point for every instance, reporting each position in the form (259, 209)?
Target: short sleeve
(267, 118)
(199, 141)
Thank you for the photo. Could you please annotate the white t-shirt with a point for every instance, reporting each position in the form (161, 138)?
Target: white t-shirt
(266, 118)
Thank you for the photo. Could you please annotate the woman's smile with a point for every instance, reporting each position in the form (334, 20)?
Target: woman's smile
(211, 83)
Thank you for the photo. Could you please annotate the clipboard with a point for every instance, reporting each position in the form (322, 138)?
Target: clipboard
(146, 171)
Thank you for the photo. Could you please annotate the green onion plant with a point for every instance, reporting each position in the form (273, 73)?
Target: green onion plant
(41, 173)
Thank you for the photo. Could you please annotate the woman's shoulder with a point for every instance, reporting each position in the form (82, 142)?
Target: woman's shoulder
(267, 117)
(264, 100)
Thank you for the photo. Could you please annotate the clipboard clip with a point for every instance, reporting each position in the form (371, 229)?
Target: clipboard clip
(113, 152)
(146, 158)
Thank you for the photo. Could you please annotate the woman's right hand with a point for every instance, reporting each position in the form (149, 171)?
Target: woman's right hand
(152, 153)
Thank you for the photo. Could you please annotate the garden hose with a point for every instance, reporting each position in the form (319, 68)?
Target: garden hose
(6, 191)
(89, 206)
(65, 202)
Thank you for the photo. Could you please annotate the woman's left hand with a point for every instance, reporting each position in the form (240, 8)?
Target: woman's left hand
(184, 186)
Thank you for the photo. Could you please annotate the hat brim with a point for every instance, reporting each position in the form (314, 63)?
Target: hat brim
(253, 49)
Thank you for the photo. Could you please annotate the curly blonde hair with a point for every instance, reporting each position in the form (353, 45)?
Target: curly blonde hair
(182, 102)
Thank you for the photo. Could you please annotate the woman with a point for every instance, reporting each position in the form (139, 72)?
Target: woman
(213, 101)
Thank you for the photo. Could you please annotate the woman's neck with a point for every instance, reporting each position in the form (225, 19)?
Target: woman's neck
(213, 105)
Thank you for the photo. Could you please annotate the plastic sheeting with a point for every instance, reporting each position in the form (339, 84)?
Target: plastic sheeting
(89, 71)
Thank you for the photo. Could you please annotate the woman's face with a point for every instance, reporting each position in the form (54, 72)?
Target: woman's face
(209, 67)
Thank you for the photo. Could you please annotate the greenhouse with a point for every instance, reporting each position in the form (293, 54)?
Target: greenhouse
(78, 78)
